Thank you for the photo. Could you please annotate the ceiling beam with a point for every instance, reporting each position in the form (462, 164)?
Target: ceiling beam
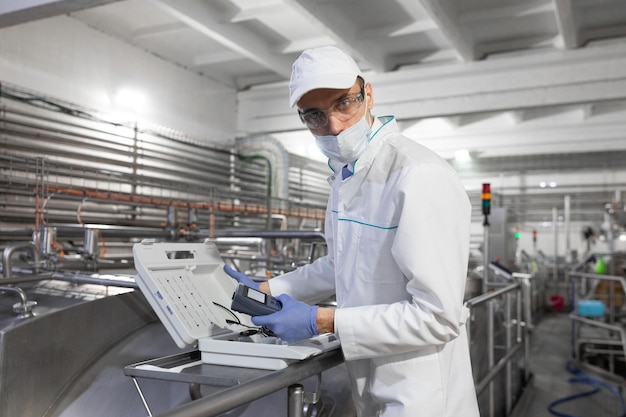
(17, 12)
(519, 9)
(344, 32)
(555, 78)
(567, 20)
(199, 15)
(266, 8)
(443, 14)
(158, 31)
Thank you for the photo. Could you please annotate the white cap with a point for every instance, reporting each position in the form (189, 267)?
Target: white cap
(323, 67)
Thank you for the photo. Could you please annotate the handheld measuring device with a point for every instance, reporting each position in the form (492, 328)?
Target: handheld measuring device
(253, 302)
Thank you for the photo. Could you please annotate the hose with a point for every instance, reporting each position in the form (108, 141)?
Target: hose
(596, 385)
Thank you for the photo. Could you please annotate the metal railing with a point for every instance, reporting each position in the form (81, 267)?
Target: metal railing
(603, 329)
(516, 322)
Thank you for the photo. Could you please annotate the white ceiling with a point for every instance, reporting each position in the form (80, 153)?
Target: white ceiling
(535, 90)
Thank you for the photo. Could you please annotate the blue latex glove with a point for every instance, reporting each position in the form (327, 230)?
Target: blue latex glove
(241, 277)
(294, 322)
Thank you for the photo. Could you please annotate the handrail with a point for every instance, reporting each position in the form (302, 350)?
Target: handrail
(483, 298)
(522, 326)
(611, 295)
(611, 325)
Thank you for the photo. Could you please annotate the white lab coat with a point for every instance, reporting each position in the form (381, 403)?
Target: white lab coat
(398, 240)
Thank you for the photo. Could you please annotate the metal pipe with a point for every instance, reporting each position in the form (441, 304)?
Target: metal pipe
(24, 308)
(108, 231)
(495, 370)
(524, 280)
(90, 243)
(594, 323)
(520, 335)
(278, 234)
(525, 311)
(555, 224)
(97, 279)
(43, 239)
(483, 298)
(491, 355)
(20, 292)
(574, 325)
(485, 258)
(295, 400)
(75, 229)
(507, 344)
(8, 252)
(617, 278)
(566, 219)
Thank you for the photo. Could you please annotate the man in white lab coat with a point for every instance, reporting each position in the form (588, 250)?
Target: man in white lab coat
(397, 229)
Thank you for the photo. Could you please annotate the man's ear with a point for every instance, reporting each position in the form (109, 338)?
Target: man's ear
(370, 96)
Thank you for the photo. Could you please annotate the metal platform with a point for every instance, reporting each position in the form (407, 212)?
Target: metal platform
(240, 385)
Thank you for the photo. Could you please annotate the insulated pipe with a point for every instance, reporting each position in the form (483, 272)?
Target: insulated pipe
(273, 151)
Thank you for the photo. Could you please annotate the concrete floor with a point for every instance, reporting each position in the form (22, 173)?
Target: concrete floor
(550, 351)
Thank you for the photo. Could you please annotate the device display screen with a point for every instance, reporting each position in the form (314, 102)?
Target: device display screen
(254, 302)
(256, 295)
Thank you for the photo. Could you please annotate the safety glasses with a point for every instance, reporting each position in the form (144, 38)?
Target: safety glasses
(343, 110)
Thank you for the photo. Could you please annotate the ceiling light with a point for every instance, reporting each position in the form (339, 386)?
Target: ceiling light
(130, 98)
(462, 155)
(552, 184)
(542, 184)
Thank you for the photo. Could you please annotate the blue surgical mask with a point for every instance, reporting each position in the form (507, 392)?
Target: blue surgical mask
(347, 146)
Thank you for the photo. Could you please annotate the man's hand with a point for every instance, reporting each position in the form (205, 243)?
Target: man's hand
(294, 322)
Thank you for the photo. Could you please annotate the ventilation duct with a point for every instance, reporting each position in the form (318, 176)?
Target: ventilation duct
(270, 149)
